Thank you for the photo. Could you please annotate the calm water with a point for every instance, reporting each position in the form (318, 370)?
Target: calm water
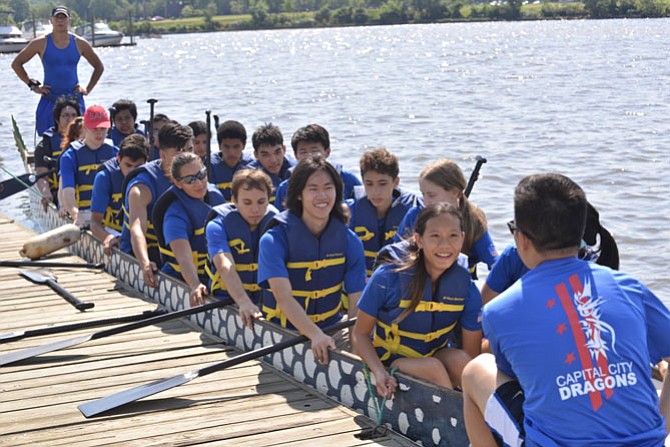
(586, 98)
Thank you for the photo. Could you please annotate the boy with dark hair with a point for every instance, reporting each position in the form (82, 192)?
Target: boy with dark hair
(199, 129)
(232, 138)
(573, 341)
(314, 139)
(79, 163)
(378, 208)
(124, 115)
(141, 189)
(106, 204)
(270, 154)
(157, 124)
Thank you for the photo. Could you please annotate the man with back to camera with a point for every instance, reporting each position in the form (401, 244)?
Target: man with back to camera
(573, 341)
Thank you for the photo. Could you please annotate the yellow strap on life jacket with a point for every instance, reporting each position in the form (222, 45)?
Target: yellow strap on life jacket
(224, 185)
(389, 234)
(393, 346)
(89, 168)
(199, 260)
(314, 265)
(363, 233)
(271, 313)
(239, 245)
(432, 306)
(393, 336)
(218, 284)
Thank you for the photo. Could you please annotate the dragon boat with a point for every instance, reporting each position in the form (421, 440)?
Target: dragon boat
(425, 413)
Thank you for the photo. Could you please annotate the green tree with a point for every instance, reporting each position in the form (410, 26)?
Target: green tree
(259, 13)
(21, 10)
(322, 15)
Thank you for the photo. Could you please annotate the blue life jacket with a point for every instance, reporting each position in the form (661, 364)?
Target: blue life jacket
(197, 210)
(222, 174)
(316, 269)
(87, 166)
(117, 137)
(161, 183)
(365, 223)
(284, 173)
(428, 328)
(51, 143)
(113, 218)
(243, 249)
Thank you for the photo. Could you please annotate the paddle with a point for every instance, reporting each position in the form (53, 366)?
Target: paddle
(51, 264)
(209, 143)
(95, 407)
(48, 278)
(474, 176)
(63, 344)
(19, 183)
(13, 336)
(152, 147)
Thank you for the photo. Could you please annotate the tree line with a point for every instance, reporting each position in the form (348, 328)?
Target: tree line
(221, 14)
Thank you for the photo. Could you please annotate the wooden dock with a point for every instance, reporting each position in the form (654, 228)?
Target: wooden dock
(248, 405)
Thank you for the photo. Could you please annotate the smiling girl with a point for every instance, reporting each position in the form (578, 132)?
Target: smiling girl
(412, 307)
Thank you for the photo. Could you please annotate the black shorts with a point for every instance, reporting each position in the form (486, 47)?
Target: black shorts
(504, 415)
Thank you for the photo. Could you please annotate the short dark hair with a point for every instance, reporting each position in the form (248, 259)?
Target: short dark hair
(198, 127)
(175, 135)
(312, 133)
(135, 147)
(380, 160)
(231, 129)
(268, 134)
(181, 160)
(251, 179)
(63, 102)
(121, 105)
(160, 117)
(550, 209)
(298, 180)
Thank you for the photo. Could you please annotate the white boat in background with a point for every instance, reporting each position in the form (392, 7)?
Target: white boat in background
(104, 35)
(33, 29)
(11, 40)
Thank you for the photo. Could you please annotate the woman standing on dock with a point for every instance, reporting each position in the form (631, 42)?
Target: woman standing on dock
(413, 306)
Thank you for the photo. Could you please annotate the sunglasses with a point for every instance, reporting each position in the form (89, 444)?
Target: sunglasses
(189, 179)
(514, 229)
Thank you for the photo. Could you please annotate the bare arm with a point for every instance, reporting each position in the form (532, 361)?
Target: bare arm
(488, 294)
(281, 288)
(43, 183)
(360, 340)
(86, 50)
(353, 304)
(69, 202)
(225, 265)
(664, 400)
(34, 47)
(183, 253)
(139, 198)
(472, 342)
(98, 229)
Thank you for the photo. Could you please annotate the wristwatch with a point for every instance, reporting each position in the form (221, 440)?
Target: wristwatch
(33, 83)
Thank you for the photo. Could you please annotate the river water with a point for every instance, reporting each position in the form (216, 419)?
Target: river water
(589, 99)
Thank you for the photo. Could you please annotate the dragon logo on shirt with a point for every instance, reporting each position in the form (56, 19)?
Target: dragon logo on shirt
(594, 328)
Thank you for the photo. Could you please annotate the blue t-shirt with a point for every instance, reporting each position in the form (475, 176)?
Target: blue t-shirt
(579, 338)
(383, 291)
(68, 165)
(508, 268)
(102, 192)
(274, 250)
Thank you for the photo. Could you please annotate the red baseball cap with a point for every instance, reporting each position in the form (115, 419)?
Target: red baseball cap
(95, 117)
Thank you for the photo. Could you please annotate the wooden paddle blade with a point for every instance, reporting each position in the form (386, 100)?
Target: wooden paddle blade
(95, 407)
(23, 354)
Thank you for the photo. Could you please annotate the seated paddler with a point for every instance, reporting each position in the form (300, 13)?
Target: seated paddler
(308, 258)
(107, 201)
(79, 164)
(410, 310)
(233, 234)
(179, 217)
(141, 188)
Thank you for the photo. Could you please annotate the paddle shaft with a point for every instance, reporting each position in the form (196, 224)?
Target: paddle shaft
(50, 264)
(13, 185)
(474, 176)
(208, 114)
(265, 350)
(160, 319)
(13, 336)
(152, 144)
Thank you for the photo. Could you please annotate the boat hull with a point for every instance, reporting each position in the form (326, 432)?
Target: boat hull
(420, 411)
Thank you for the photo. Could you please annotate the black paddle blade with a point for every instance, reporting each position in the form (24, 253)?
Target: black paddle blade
(95, 407)
(23, 354)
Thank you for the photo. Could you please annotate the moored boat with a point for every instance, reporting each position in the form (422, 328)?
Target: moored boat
(32, 29)
(100, 34)
(11, 40)
(421, 411)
